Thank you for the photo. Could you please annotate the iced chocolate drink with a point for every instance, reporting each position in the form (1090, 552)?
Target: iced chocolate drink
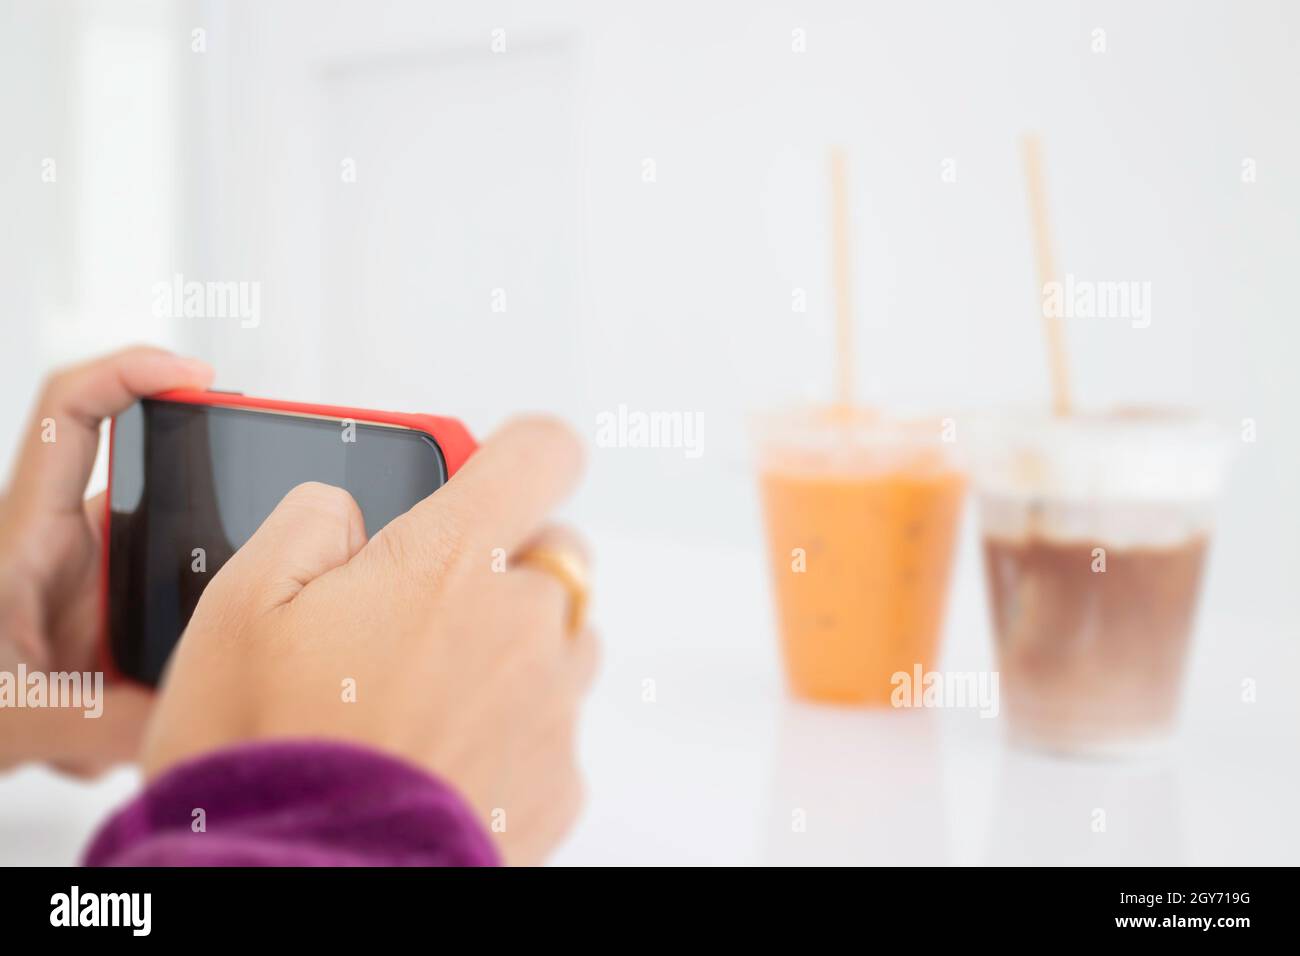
(1095, 532)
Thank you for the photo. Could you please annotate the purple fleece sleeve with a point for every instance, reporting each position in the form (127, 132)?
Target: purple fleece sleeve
(294, 803)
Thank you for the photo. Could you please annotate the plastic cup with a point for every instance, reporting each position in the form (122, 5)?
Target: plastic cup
(1095, 531)
(861, 514)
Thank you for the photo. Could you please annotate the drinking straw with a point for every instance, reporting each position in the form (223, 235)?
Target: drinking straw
(840, 266)
(1056, 358)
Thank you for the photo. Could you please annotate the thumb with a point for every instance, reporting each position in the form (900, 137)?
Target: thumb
(314, 529)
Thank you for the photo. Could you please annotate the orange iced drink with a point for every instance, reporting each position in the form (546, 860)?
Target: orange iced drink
(861, 515)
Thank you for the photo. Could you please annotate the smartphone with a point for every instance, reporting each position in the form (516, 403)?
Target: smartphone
(192, 474)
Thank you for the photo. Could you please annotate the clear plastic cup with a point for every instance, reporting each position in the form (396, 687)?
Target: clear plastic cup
(862, 513)
(1095, 531)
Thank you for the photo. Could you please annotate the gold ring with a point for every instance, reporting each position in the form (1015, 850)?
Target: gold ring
(570, 572)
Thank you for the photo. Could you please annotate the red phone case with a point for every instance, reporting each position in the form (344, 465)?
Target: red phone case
(452, 437)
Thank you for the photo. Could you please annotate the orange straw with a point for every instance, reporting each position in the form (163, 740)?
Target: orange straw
(1046, 273)
(840, 267)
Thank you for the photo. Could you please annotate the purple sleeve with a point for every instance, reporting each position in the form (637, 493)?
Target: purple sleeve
(294, 803)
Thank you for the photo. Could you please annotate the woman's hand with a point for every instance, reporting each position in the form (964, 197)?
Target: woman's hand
(422, 642)
(51, 557)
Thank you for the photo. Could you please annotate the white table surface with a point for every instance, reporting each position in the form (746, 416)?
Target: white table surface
(714, 770)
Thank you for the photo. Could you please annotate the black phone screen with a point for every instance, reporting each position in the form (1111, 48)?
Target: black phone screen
(191, 483)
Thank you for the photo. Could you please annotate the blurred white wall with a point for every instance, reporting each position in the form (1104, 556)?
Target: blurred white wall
(524, 170)
(645, 194)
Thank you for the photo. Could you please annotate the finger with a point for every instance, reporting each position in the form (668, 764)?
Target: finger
(559, 538)
(96, 508)
(55, 462)
(313, 530)
(559, 593)
(73, 739)
(22, 626)
(583, 659)
(114, 739)
(498, 500)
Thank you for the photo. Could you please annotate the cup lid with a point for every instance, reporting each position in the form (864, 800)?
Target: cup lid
(1126, 453)
(824, 439)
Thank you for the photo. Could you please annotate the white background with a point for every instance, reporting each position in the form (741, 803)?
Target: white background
(523, 171)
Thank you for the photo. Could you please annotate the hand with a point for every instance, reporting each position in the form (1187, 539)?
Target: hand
(411, 643)
(51, 547)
